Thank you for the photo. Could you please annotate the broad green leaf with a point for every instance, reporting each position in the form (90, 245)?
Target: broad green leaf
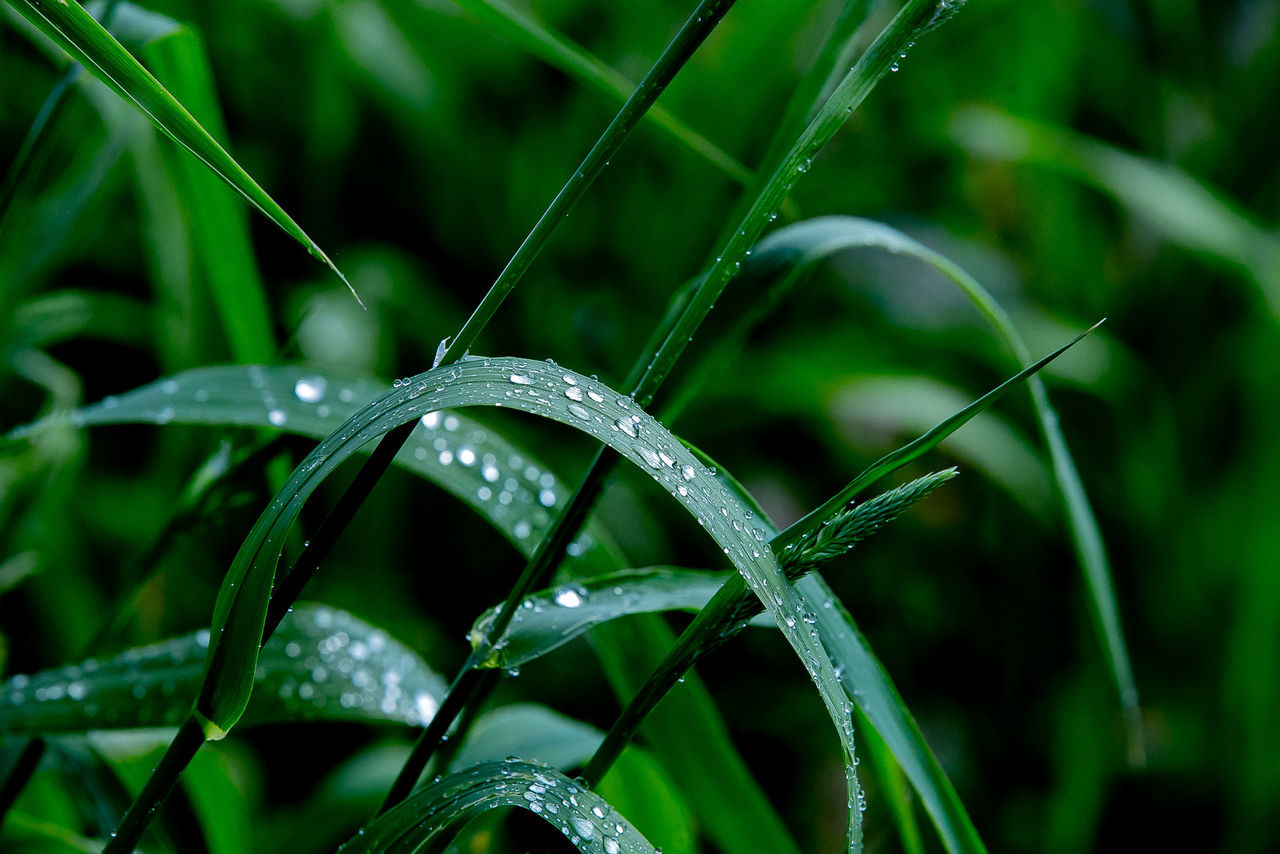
(436, 812)
(543, 389)
(322, 664)
(796, 249)
(74, 30)
(556, 50)
(549, 619)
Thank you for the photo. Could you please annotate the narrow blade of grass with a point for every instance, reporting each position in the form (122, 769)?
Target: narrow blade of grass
(75, 31)
(548, 619)
(688, 733)
(798, 248)
(558, 51)
(304, 673)
(219, 225)
(602, 413)
(429, 818)
(930, 440)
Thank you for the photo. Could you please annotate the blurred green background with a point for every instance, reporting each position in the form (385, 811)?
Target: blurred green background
(1081, 159)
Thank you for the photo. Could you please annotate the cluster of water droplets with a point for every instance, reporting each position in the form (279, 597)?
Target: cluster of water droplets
(585, 819)
(322, 662)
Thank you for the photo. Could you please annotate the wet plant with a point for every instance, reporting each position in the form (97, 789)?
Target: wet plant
(267, 659)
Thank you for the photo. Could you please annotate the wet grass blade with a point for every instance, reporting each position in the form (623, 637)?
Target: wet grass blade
(557, 51)
(75, 31)
(796, 249)
(538, 388)
(429, 818)
(323, 664)
(473, 462)
(548, 619)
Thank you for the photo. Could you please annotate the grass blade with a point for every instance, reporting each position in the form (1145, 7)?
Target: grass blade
(686, 732)
(930, 440)
(305, 672)
(75, 31)
(798, 248)
(219, 225)
(559, 52)
(430, 817)
(549, 619)
(603, 413)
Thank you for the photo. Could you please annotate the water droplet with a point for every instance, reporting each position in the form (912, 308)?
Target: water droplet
(277, 417)
(310, 389)
(573, 393)
(579, 412)
(582, 826)
(626, 426)
(521, 379)
(571, 595)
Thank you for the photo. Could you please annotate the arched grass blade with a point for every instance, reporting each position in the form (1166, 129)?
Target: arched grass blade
(74, 30)
(314, 403)
(797, 248)
(322, 664)
(429, 818)
(506, 484)
(557, 51)
(542, 389)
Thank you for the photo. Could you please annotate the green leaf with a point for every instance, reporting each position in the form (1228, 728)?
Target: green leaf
(74, 30)
(322, 664)
(219, 225)
(799, 247)
(509, 487)
(430, 817)
(687, 731)
(539, 388)
(549, 619)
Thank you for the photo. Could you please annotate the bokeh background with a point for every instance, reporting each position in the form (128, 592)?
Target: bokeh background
(1081, 159)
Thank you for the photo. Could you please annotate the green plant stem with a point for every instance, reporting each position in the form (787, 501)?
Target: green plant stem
(179, 754)
(546, 557)
(314, 552)
(651, 370)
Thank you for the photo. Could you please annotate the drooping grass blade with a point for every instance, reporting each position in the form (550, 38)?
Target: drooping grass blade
(603, 413)
(797, 249)
(74, 30)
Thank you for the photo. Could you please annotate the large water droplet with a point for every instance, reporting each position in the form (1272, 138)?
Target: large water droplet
(310, 389)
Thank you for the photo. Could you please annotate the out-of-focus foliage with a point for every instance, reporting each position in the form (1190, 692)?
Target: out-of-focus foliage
(1090, 159)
